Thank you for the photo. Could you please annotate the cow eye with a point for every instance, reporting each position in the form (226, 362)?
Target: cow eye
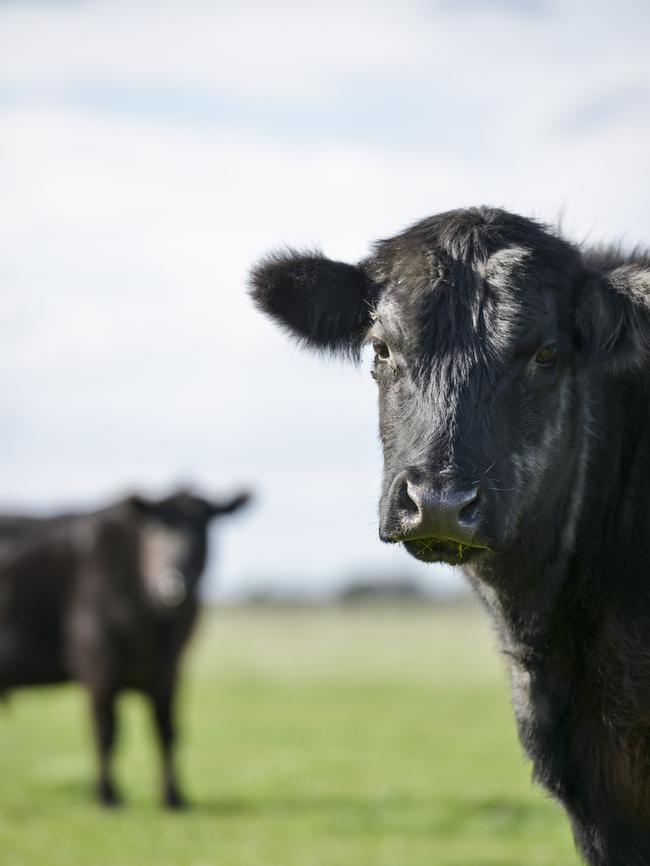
(381, 349)
(547, 356)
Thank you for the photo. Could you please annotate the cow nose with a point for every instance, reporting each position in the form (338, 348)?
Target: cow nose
(448, 512)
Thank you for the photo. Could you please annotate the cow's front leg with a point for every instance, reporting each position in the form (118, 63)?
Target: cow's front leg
(103, 711)
(162, 700)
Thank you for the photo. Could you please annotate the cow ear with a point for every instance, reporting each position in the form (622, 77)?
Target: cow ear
(141, 505)
(229, 506)
(324, 303)
(613, 316)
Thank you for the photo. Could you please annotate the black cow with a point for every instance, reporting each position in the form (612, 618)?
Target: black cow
(108, 599)
(514, 403)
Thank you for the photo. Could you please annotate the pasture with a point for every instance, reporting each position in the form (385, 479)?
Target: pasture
(324, 737)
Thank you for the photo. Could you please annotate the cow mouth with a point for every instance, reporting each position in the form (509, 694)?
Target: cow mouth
(442, 550)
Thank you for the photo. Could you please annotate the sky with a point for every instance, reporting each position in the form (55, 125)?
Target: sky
(150, 152)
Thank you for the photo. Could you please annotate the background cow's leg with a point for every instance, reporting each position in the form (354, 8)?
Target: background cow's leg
(103, 710)
(163, 705)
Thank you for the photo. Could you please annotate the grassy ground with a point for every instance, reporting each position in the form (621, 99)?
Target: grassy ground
(310, 738)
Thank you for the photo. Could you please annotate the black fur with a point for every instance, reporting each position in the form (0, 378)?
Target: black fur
(88, 597)
(324, 303)
(465, 307)
(612, 313)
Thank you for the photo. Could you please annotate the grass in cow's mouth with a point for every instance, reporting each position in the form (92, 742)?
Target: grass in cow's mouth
(441, 550)
(428, 545)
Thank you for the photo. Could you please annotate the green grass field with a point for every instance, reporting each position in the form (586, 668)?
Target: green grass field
(310, 738)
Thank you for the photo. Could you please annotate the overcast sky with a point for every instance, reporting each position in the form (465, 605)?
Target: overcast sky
(151, 151)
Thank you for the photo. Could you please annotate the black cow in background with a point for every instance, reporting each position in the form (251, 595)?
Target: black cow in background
(109, 599)
(514, 404)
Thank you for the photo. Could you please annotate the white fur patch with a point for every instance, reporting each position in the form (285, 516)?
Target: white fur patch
(502, 263)
(163, 552)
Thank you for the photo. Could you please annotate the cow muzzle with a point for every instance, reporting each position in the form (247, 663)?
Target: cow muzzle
(436, 523)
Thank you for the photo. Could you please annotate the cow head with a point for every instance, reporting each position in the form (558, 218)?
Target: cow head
(484, 326)
(173, 540)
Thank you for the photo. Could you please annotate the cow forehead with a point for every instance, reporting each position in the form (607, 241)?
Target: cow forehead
(484, 308)
(162, 549)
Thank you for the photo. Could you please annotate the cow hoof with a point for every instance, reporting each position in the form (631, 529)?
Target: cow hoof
(174, 800)
(108, 796)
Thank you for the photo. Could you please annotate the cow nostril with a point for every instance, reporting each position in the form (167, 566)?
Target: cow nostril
(404, 500)
(469, 514)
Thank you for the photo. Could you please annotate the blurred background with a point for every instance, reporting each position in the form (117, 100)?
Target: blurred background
(149, 153)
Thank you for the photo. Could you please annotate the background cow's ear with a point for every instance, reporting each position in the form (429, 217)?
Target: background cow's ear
(326, 304)
(141, 505)
(613, 316)
(229, 506)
